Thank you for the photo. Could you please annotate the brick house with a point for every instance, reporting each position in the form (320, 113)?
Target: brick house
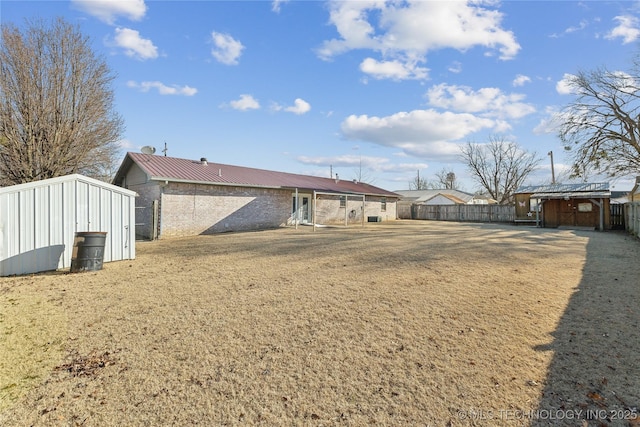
(182, 197)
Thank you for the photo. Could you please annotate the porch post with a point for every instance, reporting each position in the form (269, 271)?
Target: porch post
(314, 210)
(295, 207)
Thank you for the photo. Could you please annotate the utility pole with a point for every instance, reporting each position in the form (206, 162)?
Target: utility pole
(553, 174)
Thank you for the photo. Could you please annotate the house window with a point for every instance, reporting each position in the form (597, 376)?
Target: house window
(343, 201)
(383, 204)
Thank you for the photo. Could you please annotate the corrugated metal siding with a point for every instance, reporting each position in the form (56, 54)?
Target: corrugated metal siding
(38, 222)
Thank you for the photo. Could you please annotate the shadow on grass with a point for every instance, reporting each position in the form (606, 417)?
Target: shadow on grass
(594, 375)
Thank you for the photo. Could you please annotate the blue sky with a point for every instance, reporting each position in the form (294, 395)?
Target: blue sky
(382, 87)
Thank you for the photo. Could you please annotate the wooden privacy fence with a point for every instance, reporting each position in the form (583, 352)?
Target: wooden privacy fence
(479, 213)
(633, 218)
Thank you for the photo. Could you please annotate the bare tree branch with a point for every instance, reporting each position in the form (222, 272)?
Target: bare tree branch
(56, 105)
(447, 179)
(419, 183)
(499, 166)
(601, 127)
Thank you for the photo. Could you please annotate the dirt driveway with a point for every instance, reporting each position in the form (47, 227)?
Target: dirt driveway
(404, 323)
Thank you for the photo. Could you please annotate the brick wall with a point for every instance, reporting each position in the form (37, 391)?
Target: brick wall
(329, 211)
(191, 209)
(136, 180)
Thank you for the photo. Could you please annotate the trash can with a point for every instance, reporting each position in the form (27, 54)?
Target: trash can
(88, 251)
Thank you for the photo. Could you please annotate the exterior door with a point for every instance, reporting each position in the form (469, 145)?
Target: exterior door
(304, 208)
(567, 213)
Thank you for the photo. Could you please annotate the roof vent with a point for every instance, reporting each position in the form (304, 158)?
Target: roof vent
(203, 160)
(337, 178)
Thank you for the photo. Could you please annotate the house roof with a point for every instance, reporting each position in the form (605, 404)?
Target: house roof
(419, 196)
(451, 197)
(561, 191)
(161, 168)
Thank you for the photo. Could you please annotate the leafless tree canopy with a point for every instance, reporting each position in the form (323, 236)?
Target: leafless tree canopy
(601, 128)
(419, 183)
(447, 180)
(499, 166)
(56, 105)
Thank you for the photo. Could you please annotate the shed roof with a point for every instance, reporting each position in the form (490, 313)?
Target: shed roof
(66, 178)
(572, 191)
(161, 168)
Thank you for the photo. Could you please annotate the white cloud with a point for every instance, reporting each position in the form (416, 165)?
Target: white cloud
(550, 123)
(126, 144)
(300, 106)
(276, 4)
(245, 103)
(108, 10)
(521, 80)
(162, 88)
(563, 87)
(627, 29)
(134, 45)
(581, 26)
(426, 133)
(226, 49)
(455, 67)
(489, 102)
(395, 69)
(376, 164)
(407, 31)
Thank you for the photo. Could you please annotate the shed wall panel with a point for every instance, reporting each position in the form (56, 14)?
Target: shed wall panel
(38, 222)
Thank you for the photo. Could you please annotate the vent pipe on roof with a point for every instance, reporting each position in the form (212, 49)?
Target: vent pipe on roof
(337, 178)
(203, 160)
(220, 173)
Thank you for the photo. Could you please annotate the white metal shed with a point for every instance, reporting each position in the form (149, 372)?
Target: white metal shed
(38, 222)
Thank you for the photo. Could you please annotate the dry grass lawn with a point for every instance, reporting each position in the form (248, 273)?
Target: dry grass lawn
(405, 323)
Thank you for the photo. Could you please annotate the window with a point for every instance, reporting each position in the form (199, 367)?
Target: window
(343, 201)
(383, 204)
(585, 207)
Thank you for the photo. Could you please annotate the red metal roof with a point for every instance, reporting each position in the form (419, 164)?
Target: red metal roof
(185, 170)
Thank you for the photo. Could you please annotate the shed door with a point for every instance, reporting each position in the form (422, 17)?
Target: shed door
(567, 213)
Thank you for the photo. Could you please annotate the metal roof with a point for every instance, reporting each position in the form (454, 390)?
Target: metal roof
(565, 188)
(587, 190)
(161, 168)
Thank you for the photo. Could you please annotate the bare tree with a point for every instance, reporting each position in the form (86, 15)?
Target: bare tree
(363, 175)
(56, 105)
(447, 179)
(601, 128)
(499, 166)
(419, 183)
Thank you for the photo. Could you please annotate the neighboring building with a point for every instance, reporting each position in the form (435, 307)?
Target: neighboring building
(572, 205)
(440, 197)
(38, 222)
(181, 197)
(443, 197)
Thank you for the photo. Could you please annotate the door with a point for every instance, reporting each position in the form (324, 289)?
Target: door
(303, 208)
(567, 213)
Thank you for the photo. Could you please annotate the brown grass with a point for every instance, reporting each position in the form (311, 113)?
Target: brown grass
(405, 323)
